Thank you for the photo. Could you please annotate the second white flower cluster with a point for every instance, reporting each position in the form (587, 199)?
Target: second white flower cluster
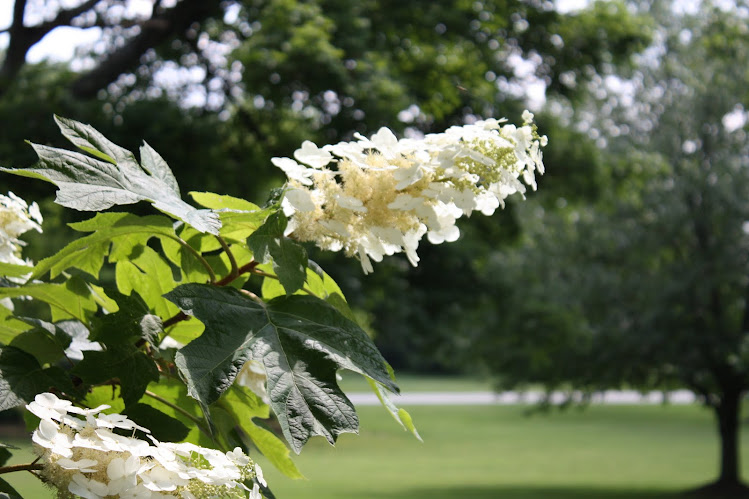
(379, 196)
(83, 456)
(16, 217)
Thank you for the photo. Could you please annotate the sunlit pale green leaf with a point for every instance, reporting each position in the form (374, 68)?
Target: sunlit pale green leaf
(11, 270)
(151, 277)
(321, 286)
(45, 341)
(71, 299)
(400, 415)
(10, 326)
(122, 231)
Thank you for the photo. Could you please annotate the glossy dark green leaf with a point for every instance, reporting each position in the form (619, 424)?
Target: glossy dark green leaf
(22, 378)
(289, 258)
(112, 178)
(133, 320)
(133, 368)
(301, 341)
(244, 405)
(163, 427)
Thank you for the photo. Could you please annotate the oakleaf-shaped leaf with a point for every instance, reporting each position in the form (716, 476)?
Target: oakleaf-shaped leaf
(10, 326)
(115, 178)
(289, 258)
(244, 405)
(163, 427)
(132, 321)
(7, 491)
(22, 378)
(132, 367)
(45, 341)
(72, 299)
(121, 231)
(11, 270)
(301, 341)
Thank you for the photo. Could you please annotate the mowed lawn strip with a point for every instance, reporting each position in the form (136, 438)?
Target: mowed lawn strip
(482, 452)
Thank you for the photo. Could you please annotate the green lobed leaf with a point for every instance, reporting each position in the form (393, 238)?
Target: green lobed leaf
(115, 178)
(318, 282)
(123, 231)
(163, 427)
(239, 218)
(22, 378)
(176, 393)
(12, 270)
(10, 326)
(289, 258)
(72, 299)
(46, 341)
(105, 395)
(154, 164)
(7, 491)
(301, 341)
(148, 274)
(400, 415)
(132, 321)
(244, 405)
(133, 368)
(222, 202)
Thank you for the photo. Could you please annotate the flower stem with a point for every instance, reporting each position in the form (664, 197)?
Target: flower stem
(234, 270)
(21, 467)
(196, 420)
(197, 255)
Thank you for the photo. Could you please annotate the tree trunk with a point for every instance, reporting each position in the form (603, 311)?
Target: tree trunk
(727, 412)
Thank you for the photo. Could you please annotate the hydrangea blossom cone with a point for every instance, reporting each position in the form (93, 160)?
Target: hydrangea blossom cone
(16, 218)
(83, 456)
(379, 196)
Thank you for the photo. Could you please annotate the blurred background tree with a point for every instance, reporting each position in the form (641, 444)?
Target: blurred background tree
(647, 287)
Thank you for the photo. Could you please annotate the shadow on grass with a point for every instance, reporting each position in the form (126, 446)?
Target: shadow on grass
(525, 492)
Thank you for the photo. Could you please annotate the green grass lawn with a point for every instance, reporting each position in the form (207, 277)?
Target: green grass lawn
(603, 452)
(484, 452)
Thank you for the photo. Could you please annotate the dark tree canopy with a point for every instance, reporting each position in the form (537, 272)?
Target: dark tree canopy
(649, 286)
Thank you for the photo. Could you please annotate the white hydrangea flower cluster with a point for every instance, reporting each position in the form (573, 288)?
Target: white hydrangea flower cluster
(16, 217)
(84, 458)
(380, 196)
